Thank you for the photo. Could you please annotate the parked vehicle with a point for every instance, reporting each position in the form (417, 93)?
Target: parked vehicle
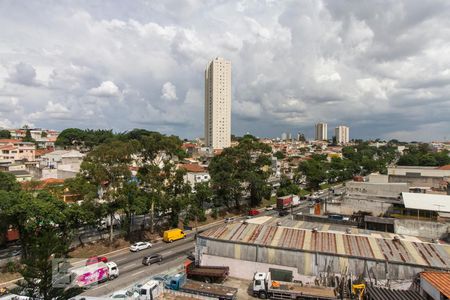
(269, 208)
(206, 273)
(151, 259)
(264, 288)
(283, 213)
(229, 220)
(287, 201)
(140, 246)
(106, 222)
(179, 282)
(173, 235)
(96, 259)
(253, 212)
(150, 290)
(123, 294)
(94, 274)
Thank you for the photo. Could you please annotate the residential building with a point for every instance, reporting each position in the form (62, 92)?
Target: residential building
(61, 164)
(321, 132)
(12, 150)
(195, 173)
(218, 103)
(342, 135)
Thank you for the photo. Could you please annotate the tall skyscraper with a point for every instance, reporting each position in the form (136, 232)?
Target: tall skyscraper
(342, 134)
(218, 103)
(321, 132)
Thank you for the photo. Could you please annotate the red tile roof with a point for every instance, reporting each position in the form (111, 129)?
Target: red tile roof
(193, 168)
(440, 280)
(9, 141)
(40, 152)
(7, 147)
(188, 145)
(446, 167)
(39, 185)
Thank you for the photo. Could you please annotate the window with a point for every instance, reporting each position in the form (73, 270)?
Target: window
(257, 282)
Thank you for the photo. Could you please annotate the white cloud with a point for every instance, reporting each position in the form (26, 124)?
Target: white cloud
(169, 92)
(106, 89)
(368, 65)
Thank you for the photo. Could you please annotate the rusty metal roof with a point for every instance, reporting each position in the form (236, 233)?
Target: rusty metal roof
(440, 280)
(368, 247)
(379, 293)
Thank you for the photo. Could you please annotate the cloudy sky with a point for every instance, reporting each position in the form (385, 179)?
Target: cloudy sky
(380, 67)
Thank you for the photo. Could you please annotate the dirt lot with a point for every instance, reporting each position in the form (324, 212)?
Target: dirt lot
(98, 248)
(5, 277)
(243, 286)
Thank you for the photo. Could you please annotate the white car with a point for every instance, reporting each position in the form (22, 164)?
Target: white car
(124, 294)
(140, 246)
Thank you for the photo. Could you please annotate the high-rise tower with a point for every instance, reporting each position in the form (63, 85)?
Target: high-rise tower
(218, 103)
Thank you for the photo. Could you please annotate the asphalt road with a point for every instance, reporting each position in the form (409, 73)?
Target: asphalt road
(132, 270)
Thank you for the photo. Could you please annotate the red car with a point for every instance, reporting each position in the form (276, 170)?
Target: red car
(253, 212)
(96, 259)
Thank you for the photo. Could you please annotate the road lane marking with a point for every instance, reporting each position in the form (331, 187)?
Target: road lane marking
(134, 274)
(99, 286)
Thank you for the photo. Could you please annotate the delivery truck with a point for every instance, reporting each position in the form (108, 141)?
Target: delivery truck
(266, 288)
(287, 201)
(92, 274)
(173, 234)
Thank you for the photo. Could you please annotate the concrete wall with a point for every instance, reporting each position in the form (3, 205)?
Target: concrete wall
(421, 171)
(390, 190)
(244, 260)
(378, 178)
(350, 205)
(426, 229)
(417, 181)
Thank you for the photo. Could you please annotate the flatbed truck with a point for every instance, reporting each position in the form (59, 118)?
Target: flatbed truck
(179, 282)
(206, 274)
(265, 288)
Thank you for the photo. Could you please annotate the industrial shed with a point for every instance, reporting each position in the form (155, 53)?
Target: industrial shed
(247, 248)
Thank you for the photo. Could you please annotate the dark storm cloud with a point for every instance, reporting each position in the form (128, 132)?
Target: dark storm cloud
(380, 67)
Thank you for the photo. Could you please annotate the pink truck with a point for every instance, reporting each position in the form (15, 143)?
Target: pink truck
(94, 273)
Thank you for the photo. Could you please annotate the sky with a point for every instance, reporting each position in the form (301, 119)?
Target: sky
(380, 67)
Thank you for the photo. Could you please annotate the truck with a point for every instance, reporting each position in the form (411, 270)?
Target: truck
(93, 274)
(179, 282)
(105, 222)
(173, 234)
(205, 273)
(266, 288)
(287, 201)
(150, 290)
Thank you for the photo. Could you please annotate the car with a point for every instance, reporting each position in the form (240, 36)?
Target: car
(151, 259)
(253, 212)
(229, 220)
(122, 294)
(140, 246)
(269, 207)
(190, 255)
(283, 213)
(95, 260)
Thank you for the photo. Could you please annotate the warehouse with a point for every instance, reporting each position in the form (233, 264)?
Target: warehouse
(247, 248)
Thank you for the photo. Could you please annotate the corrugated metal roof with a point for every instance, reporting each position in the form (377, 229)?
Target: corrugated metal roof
(440, 280)
(379, 293)
(397, 251)
(431, 202)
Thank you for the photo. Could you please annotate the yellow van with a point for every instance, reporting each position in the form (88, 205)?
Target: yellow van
(173, 235)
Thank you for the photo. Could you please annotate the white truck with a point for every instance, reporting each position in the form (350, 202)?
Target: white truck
(93, 274)
(266, 288)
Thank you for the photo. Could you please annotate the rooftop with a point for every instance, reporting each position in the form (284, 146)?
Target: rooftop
(349, 245)
(440, 280)
(193, 168)
(379, 293)
(431, 202)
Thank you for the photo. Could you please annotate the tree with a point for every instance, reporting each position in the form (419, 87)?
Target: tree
(287, 187)
(315, 171)
(241, 171)
(279, 155)
(5, 134)
(107, 166)
(28, 137)
(70, 137)
(8, 182)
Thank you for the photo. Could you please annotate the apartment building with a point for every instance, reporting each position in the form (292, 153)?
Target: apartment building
(12, 150)
(321, 132)
(342, 134)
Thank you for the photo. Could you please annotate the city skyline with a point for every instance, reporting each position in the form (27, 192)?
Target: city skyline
(142, 67)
